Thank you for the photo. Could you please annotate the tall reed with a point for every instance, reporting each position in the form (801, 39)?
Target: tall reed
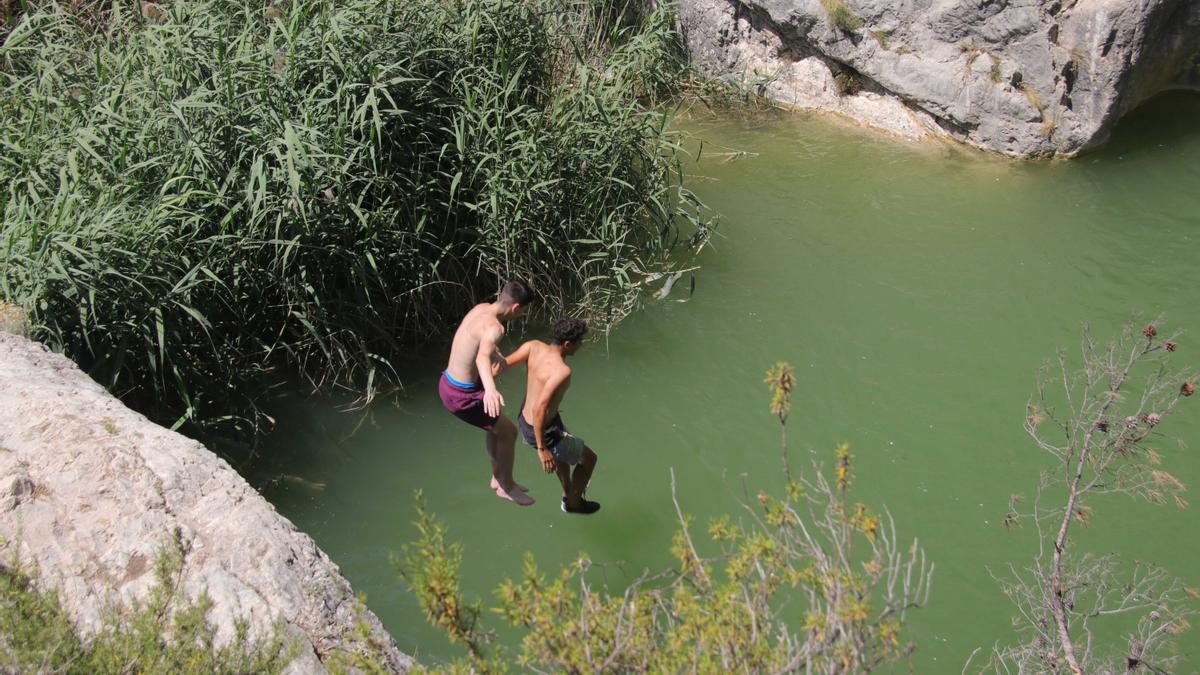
(198, 204)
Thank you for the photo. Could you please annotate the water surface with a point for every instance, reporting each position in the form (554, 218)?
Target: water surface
(915, 288)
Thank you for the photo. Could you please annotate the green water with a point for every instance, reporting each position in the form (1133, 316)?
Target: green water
(916, 289)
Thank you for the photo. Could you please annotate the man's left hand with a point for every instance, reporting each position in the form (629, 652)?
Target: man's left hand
(492, 400)
(547, 460)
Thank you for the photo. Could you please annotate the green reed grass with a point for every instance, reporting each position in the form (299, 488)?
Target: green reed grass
(197, 205)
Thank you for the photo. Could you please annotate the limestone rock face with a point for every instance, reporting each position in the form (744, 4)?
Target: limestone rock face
(91, 492)
(1026, 78)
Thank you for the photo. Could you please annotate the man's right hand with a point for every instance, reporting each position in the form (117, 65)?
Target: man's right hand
(547, 459)
(492, 400)
(499, 364)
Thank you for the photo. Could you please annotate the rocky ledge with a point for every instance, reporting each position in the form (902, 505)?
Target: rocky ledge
(1027, 78)
(90, 493)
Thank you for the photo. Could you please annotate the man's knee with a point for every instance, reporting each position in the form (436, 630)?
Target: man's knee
(504, 429)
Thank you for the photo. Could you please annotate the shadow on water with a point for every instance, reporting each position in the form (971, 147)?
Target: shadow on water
(1170, 119)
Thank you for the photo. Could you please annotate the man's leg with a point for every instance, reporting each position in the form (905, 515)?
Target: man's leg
(563, 471)
(581, 476)
(575, 482)
(500, 446)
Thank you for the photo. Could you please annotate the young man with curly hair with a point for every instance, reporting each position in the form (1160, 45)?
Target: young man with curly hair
(541, 424)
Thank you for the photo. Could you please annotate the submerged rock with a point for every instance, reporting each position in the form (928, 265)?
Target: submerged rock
(1022, 77)
(92, 492)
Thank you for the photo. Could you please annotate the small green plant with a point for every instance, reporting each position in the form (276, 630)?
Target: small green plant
(37, 634)
(1080, 57)
(814, 581)
(840, 16)
(1032, 96)
(10, 13)
(1049, 126)
(883, 36)
(994, 73)
(1034, 99)
(781, 379)
(1049, 121)
(744, 95)
(848, 82)
(164, 633)
(758, 82)
(365, 653)
(430, 567)
(972, 51)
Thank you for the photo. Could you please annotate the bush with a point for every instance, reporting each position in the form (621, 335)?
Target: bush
(848, 82)
(841, 17)
(1098, 415)
(729, 612)
(195, 202)
(161, 635)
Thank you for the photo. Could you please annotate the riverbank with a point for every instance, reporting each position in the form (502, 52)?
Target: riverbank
(93, 492)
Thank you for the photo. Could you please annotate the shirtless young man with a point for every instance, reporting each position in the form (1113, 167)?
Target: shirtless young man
(468, 385)
(541, 425)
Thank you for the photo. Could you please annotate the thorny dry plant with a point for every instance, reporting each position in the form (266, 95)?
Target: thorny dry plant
(1099, 420)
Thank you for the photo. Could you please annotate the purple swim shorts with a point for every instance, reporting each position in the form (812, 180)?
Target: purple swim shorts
(465, 401)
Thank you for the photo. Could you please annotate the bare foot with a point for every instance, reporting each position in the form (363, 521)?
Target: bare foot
(514, 495)
(495, 485)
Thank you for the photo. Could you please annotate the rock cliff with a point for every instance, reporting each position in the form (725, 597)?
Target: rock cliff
(1028, 78)
(91, 491)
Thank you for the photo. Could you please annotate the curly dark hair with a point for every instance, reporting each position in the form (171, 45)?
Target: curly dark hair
(569, 330)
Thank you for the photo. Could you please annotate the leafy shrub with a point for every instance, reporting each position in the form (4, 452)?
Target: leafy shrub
(841, 17)
(195, 202)
(811, 581)
(161, 635)
(848, 82)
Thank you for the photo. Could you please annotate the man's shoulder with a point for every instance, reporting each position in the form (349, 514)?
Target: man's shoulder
(535, 346)
(535, 352)
(483, 323)
(480, 311)
(545, 359)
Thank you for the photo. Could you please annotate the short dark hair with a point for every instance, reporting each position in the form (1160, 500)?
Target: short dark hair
(517, 293)
(569, 330)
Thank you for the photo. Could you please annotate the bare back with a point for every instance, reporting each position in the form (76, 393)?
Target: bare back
(546, 369)
(478, 325)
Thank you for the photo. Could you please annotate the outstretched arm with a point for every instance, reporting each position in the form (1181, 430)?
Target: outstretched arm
(503, 363)
(519, 356)
(492, 400)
